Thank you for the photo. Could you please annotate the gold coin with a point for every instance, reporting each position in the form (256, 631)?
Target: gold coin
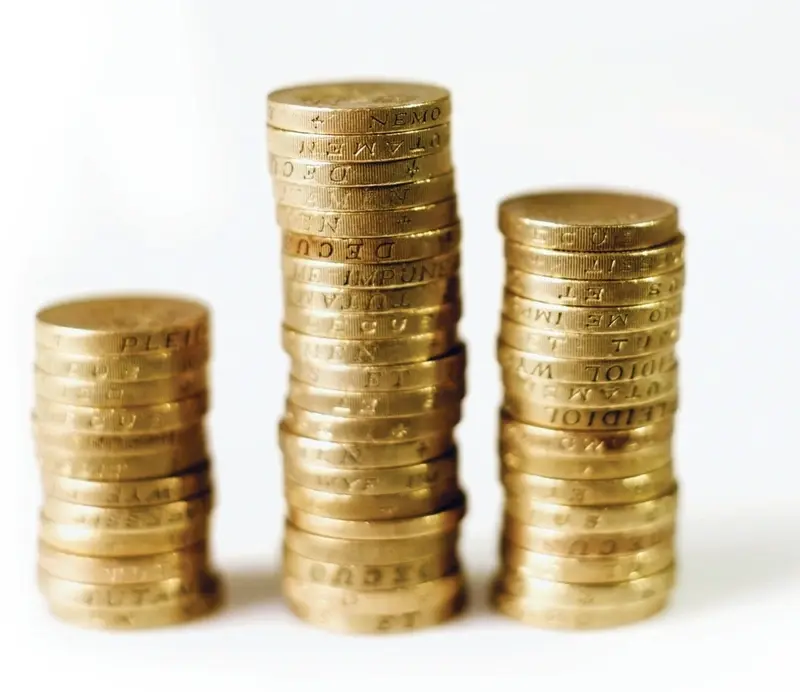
(47, 436)
(553, 593)
(378, 198)
(530, 613)
(122, 325)
(532, 313)
(368, 276)
(372, 481)
(134, 367)
(377, 249)
(525, 488)
(431, 594)
(561, 344)
(67, 390)
(411, 503)
(122, 595)
(372, 325)
(365, 224)
(307, 172)
(127, 493)
(588, 518)
(192, 607)
(588, 220)
(590, 467)
(116, 467)
(525, 564)
(594, 266)
(87, 540)
(548, 289)
(517, 363)
(369, 577)
(133, 519)
(373, 404)
(358, 107)
(438, 523)
(367, 552)
(123, 570)
(373, 430)
(582, 544)
(582, 394)
(152, 419)
(620, 418)
(410, 349)
(444, 371)
(362, 455)
(358, 148)
(341, 621)
(432, 294)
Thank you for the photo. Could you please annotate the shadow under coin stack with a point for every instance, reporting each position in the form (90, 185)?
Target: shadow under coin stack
(363, 180)
(587, 348)
(121, 394)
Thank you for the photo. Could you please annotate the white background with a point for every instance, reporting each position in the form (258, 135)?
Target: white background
(133, 157)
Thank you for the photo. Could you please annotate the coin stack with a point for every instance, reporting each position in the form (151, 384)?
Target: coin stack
(363, 181)
(587, 350)
(121, 394)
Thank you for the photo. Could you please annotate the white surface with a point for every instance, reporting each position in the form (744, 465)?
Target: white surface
(137, 161)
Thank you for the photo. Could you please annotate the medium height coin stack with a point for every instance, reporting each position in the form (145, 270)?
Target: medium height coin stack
(363, 180)
(121, 393)
(587, 349)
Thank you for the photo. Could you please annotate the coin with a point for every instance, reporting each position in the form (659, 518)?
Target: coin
(633, 264)
(538, 315)
(529, 612)
(615, 418)
(122, 325)
(368, 276)
(587, 570)
(359, 147)
(585, 544)
(447, 370)
(369, 577)
(367, 552)
(372, 325)
(437, 523)
(127, 493)
(68, 390)
(376, 249)
(358, 107)
(372, 481)
(401, 505)
(588, 220)
(561, 344)
(90, 442)
(373, 430)
(373, 404)
(365, 224)
(362, 455)
(615, 491)
(124, 570)
(308, 172)
(598, 518)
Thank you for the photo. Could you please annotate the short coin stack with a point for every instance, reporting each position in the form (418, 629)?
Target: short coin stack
(587, 349)
(363, 180)
(121, 393)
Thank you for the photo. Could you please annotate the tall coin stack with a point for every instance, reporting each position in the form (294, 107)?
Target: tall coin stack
(363, 180)
(587, 349)
(121, 394)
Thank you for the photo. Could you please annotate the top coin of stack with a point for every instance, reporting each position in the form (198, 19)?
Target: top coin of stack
(587, 347)
(363, 180)
(121, 394)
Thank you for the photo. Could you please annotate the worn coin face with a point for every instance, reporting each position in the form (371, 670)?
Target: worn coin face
(590, 208)
(122, 313)
(359, 95)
